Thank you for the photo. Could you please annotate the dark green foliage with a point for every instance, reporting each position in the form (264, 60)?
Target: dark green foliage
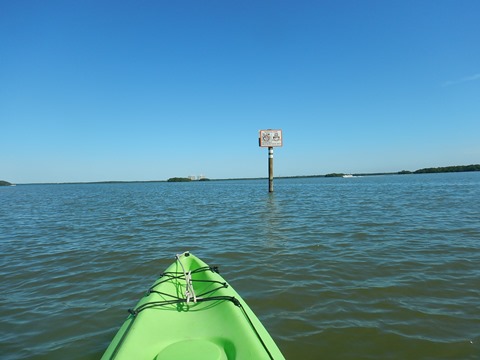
(4, 183)
(179, 179)
(460, 168)
(334, 175)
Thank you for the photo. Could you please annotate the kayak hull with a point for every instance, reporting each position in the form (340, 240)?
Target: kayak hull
(192, 312)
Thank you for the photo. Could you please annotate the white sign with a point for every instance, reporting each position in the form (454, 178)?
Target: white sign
(270, 138)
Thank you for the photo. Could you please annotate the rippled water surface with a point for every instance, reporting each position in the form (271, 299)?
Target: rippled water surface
(360, 268)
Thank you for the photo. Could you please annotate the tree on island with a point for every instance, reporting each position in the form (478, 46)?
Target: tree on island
(335, 175)
(460, 168)
(184, 179)
(4, 183)
(179, 179)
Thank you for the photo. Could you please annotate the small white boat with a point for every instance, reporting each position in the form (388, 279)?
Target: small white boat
(347, 176)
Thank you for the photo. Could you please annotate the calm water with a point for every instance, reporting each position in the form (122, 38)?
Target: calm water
(363, 268)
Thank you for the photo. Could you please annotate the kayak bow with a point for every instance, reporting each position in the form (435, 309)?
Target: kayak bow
(192, 312)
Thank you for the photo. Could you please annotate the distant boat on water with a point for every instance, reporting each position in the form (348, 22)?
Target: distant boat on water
(347, 176)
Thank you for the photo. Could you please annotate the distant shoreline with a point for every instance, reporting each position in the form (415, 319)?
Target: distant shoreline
(433, 170)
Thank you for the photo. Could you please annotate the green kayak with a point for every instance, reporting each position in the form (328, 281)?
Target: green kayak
(191, 312)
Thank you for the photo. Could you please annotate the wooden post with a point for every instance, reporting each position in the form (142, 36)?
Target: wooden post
(270, 169)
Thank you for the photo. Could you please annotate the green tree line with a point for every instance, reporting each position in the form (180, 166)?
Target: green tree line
(460, 168)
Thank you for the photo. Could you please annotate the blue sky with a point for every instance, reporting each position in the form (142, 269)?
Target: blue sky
(148, 90)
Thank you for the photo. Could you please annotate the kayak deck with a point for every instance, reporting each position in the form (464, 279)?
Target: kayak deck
(192, 312)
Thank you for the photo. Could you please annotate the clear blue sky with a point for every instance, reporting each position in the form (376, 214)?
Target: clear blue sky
(147, 90)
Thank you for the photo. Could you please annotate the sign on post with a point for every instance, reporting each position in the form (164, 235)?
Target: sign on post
(270, 138)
